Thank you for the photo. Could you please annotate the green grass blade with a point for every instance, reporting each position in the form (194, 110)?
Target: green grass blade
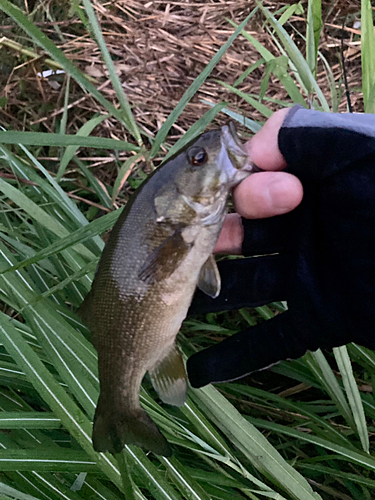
(265, 53)
(253, 444)
(319, 366)
(368, 56)
(88, 269)
(45, 484)
(62, 349)
(59, 140)
(164, 130)
(316, 8)
(40, 215)
(314, 27)
(63, 346)
(290, 11)
(100, 191)
(297, 59)
(62, 460)
(204, 427)
(98, 226)
(50, 189)
(149, 475)
(363, 355)
(27, 482)
(276, 67)
(64, 118)
(31, 208)
(187, 485)
(248, 72)
(311, 51)
(352, 456)
(299, 409)
(354, 398)
(28, 420)
(70, 151)
(127, 482)
(53, 192)
(93, 489)
(15, 494)
(72, 418)
(334, 89)
(47, 45)
(239, 118)
(121, 96)
(195, 129)
(329, 471)
(124, 173)
(253, 102)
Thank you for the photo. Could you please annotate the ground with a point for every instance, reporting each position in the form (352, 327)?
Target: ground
(159, 48)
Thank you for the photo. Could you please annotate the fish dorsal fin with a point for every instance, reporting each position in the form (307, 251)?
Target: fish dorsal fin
(209, 278)
(169, 378)
(161, 263)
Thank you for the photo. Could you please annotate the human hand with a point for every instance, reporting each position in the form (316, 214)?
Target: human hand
(263, 194)
(318, 257)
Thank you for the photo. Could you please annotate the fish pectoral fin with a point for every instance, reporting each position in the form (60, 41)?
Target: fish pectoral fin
(209, 278)
(165, 258)
(169, 378)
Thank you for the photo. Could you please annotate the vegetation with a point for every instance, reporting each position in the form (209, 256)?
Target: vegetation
(303, 431)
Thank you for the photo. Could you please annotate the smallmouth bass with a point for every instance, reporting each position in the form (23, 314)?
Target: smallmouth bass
(159, 250)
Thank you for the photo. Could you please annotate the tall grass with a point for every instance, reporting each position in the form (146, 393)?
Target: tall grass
(241, 442)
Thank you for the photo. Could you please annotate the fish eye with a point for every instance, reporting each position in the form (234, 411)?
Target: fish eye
(197, 156)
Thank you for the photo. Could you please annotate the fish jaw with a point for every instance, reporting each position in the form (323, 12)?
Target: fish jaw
(235, 161)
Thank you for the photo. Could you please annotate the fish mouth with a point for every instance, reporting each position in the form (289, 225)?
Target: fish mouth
(236, 153)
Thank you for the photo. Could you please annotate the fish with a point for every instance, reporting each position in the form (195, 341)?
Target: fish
(158, 252)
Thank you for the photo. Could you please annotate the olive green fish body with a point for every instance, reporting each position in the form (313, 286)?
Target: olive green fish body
(159, 250)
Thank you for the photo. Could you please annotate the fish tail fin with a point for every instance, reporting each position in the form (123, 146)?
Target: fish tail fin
(112, 431)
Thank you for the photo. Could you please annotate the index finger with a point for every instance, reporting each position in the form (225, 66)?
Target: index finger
(263, 148)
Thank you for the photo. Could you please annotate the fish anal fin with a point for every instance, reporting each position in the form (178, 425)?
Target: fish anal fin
(164, 260)
(169, 378)
(209, 278)
(113, 430)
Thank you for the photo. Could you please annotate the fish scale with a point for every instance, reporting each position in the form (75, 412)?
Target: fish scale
(158, 252)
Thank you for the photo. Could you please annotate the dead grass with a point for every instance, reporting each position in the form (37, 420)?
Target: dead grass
(159, 48)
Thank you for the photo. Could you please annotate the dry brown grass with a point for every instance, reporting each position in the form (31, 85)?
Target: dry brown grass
(159, 48)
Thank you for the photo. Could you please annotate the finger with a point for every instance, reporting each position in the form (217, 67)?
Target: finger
(231, 236)
(263, 147)
(281, 234)
(267, 194)
(260, 196)
(249, 351)
(246, 283)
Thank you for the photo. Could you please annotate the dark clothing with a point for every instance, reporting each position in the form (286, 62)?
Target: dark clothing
(325, 262)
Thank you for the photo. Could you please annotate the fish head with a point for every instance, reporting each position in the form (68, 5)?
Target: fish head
(213, 164)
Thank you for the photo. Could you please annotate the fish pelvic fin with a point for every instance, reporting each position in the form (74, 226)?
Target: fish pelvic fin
(113, 430)
(169, 378)
(209, 278)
